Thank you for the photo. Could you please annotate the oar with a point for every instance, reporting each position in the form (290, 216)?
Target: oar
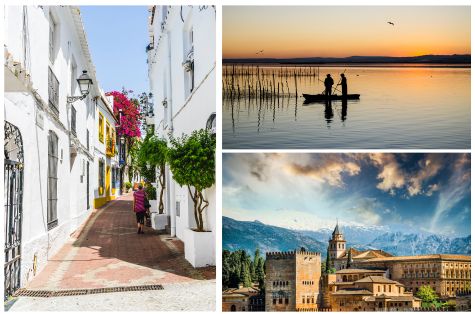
(338, 84)
(335, 87)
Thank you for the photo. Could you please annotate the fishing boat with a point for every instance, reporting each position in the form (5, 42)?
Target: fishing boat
(323, 97)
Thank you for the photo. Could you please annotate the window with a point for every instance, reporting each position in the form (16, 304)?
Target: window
(52, 206)
(280, 300)
(274, 301)
(73, 120)
(101, 177)
(113, 178)
(73, 77)
(286, 300)
(101, 127)
(52, 38)
(188, 61)
(53, 91)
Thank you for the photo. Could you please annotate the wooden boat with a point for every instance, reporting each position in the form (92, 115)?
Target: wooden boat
(322, 97)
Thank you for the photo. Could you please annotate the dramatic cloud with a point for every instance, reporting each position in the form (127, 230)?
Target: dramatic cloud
(456, 189)
(368, 209)
(391, 175)
(429, 167)
(328, 168)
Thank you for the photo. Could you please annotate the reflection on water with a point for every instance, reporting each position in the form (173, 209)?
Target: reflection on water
(426, 108)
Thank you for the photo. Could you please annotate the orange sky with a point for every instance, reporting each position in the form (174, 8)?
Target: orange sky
(341, 31)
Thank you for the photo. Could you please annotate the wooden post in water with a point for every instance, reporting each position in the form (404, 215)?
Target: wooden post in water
(295, 78)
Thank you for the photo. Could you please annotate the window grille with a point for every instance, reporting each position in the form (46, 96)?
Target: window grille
(52, 205)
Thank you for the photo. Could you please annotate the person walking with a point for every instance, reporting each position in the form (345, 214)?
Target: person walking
(139, 208)
(344, 87)
(328, 85)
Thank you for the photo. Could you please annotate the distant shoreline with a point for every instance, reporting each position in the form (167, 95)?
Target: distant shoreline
(354, 65)
(462, 61)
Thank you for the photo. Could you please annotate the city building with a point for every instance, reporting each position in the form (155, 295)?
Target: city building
(371, 293)
(242, 299)
(182, 76)
(292, 281)
(106, 159)
(339, 253)
(447, 274)
(50, 91)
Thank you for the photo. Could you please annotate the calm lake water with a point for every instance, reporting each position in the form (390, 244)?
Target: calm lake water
(399, 107)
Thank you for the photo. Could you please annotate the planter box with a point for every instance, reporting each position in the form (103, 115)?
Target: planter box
(199, 248)
(153, 206)
(159, 221)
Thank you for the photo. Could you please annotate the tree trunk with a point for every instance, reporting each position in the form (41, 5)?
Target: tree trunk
(161, 178)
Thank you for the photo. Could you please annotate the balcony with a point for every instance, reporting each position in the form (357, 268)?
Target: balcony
(53, 91)
(110, 147)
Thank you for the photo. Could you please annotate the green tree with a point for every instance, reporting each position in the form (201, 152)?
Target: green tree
(192, 162)
(349, 260)
(427, 295)
(152, 156)
(260, 273)
(327, 263)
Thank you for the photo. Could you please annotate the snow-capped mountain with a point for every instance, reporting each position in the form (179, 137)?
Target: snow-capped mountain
(251, 235)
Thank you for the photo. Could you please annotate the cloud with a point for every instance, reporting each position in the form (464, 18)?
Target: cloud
(432, 188)
(456, 189)
(429, 167)
(391, 175)
(367, 209)
(328, 168)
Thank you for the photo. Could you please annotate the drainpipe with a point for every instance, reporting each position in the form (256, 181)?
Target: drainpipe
(170, 111)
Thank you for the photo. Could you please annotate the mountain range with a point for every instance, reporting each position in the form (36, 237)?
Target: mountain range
(432, 59)
(249, 235)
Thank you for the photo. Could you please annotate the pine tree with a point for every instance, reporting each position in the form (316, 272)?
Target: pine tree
(327, 263)
(349, 260)
(260, 273)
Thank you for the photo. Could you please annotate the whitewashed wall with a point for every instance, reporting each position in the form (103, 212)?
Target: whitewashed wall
(34, 119)
(185, 111)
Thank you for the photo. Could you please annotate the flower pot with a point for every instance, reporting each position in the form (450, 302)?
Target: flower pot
(159, 221)
(199, 248)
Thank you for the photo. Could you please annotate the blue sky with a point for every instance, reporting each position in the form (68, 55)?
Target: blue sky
(402, 192)
(117, 36)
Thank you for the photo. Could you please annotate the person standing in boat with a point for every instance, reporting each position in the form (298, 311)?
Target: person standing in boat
(328, 85)
(344, 87)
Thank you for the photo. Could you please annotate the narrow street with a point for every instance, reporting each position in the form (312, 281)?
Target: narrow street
(107, 252)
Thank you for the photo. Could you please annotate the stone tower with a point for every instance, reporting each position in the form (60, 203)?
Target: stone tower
(292, 281)
(336, 245)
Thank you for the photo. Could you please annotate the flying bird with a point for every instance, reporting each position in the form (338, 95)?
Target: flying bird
(391, 23)
(261, 51)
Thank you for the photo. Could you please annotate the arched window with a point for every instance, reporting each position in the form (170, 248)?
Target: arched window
(233, 308)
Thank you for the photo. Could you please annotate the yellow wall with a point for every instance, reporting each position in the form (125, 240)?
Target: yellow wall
(98, 202)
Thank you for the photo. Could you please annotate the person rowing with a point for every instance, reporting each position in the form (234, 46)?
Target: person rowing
(344, 87)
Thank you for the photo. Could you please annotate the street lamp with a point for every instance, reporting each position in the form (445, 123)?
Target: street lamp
(84, 82)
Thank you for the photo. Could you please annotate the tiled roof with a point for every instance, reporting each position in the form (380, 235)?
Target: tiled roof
(351, 291)
(377, 279)
(240, 291)
(450, 257)
(368, 254)
(358, 271)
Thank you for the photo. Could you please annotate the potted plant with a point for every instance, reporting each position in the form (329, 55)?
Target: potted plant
(192, 163)
(128, 185)
(152, 158)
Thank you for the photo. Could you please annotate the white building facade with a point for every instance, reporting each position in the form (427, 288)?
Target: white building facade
(106, 157)
(48, 141)
(182, 76)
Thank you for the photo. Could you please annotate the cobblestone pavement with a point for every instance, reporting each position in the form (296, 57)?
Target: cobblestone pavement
(108, 252)
(185, 296)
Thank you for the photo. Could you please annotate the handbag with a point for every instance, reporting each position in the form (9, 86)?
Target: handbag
(146, 203)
